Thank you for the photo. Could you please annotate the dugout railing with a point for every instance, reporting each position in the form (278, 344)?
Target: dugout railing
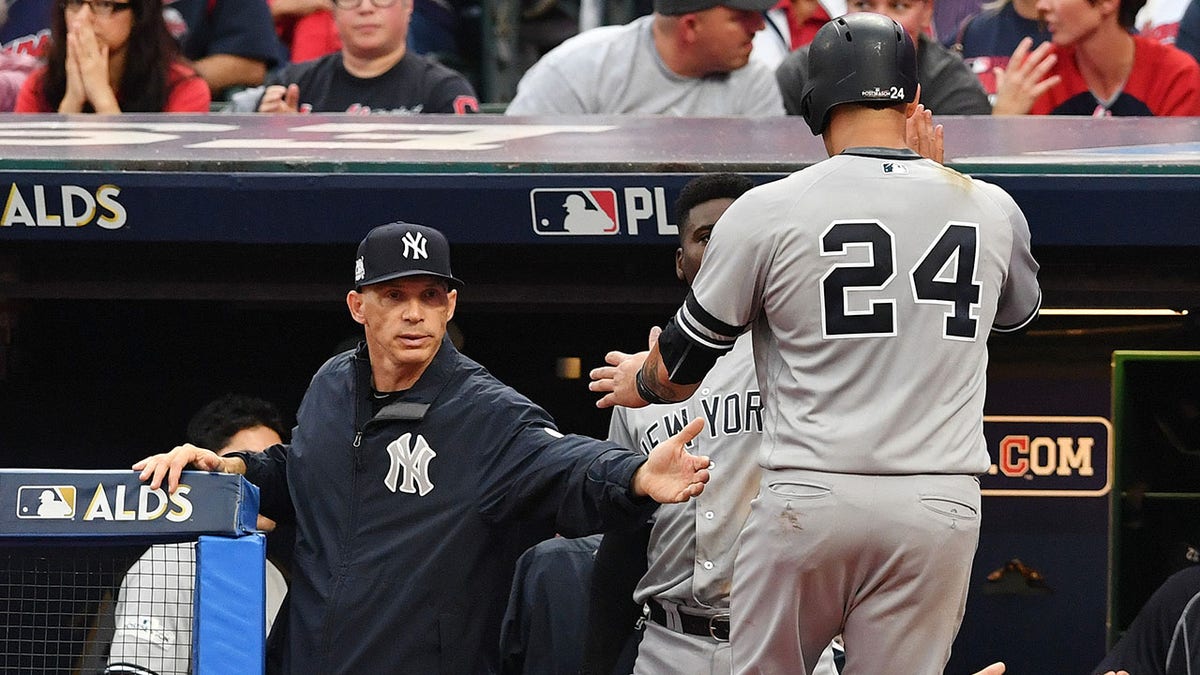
(67, 540)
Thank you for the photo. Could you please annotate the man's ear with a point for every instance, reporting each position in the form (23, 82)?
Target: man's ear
(687, 27)
(354, 301)
(451, 303)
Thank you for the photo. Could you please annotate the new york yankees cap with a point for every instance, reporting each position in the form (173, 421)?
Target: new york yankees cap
(402, 249)
(677, 7)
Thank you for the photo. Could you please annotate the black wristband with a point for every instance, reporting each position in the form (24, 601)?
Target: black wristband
(647, 393)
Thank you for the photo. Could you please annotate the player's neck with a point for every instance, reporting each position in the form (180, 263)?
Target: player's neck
(861, 127)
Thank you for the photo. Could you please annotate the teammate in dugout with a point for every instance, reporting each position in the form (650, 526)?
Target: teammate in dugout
(418, 479)
(687, 564)
(870, 281)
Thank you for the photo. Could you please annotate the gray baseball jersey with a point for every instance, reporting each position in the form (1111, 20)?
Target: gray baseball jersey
(617, 70)
(691, 547)
(871, 281)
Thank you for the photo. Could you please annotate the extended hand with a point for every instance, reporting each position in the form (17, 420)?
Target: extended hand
(170, 464)
(617, 380)
(672, 474)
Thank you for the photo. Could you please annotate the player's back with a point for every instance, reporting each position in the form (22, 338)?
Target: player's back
(880, 277)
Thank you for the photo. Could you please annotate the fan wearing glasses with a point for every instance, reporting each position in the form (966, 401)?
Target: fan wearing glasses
(109, 56)
(373, 73)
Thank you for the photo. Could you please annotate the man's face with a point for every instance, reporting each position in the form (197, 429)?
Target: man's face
(697, 228)
(368, 31)
(724, 37)
(914, 15)
(404, 320)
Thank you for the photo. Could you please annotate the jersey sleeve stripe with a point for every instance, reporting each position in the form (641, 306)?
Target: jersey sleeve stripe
(705, 328)
(1012, 328)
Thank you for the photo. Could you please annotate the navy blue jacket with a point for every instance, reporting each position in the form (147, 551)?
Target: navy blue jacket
(397, 573)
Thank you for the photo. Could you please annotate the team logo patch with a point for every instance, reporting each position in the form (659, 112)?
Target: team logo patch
(574, 211)
(46, 502)
(409, 469)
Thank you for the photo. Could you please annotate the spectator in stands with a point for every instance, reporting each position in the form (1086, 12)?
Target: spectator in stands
(948, 87)
(306, 28)
(1094, 66)
(986, 40)
(154, 608)
(109, 56)
(784, 25)
(231, 43)
(1188, 38)
(15, 66)
(373, 73)
(27, 29)
(689, 57)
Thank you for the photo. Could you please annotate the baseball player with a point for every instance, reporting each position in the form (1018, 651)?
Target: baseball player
(869, 281)
(691, 546)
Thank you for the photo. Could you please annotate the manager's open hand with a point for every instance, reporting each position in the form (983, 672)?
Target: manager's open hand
(171, 464)
(672, 474)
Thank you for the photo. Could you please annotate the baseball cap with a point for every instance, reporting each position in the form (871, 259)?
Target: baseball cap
(402, 249)
(676, 7)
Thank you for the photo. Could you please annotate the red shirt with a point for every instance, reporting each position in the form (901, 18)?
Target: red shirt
(310, 36)
(1165, 81)
(189, 92)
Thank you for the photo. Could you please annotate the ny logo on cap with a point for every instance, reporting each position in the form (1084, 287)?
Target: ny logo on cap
(415, 242)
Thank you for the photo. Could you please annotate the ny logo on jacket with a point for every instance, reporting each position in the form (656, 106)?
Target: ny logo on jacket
(414, 458)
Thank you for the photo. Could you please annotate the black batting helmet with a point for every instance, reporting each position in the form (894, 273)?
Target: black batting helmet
(858, 58)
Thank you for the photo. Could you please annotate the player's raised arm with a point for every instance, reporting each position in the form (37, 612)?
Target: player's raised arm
(635, 380)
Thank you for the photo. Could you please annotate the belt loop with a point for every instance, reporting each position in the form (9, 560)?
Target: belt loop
(673, 620)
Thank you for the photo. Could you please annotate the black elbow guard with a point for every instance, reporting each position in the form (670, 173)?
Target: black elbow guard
(687, 362)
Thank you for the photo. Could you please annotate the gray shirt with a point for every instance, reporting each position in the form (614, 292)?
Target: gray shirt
(948, 87)
(617, 70)
(871, 281)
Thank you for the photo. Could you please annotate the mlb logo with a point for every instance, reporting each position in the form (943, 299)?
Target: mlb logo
(574, 211)
(46, 501)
